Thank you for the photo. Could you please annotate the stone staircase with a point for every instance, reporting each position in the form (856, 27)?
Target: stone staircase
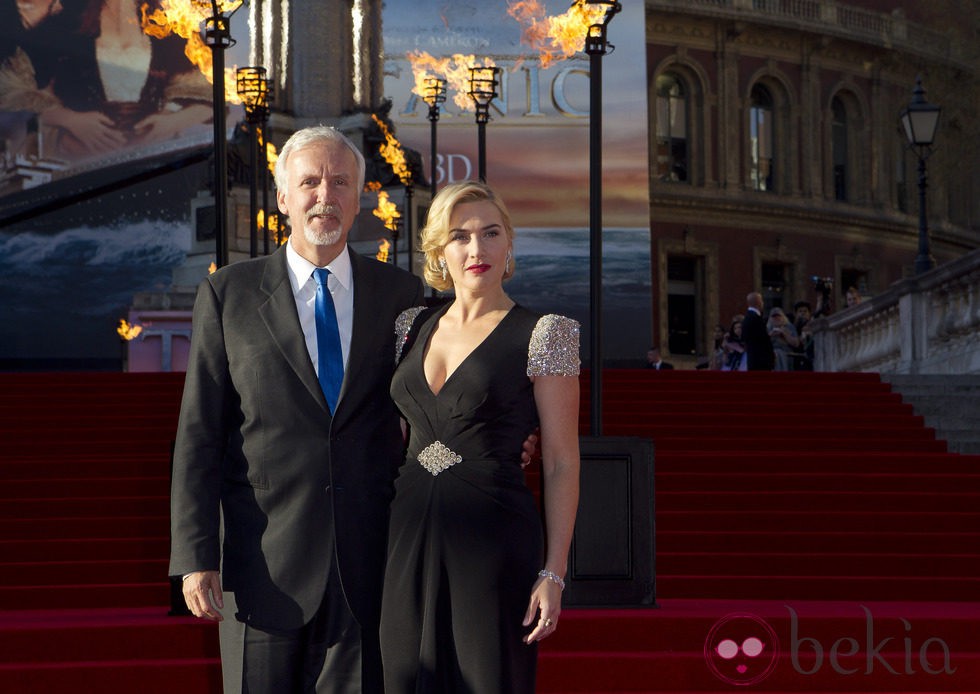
(950, 404)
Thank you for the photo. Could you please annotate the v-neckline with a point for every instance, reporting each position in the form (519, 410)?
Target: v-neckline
(449, 376)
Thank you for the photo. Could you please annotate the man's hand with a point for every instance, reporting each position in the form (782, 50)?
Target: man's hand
(202, 593)
(530, 448)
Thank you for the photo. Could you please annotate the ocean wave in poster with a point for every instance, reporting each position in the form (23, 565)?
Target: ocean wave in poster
(88, 271)
(553, 269)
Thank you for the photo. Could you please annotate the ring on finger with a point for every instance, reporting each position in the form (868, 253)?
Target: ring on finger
(548, 622)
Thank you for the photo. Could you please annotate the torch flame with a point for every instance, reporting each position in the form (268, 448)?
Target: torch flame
(555, 38)
(127, 331)
(392, 152)
(387, 211)
(184, 19)
(271, 155)
(278, 233)
(383, 246)
(212, 268)
(455, 70)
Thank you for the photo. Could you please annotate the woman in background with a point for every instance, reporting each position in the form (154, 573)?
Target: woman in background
(97, 81)
(734, 347)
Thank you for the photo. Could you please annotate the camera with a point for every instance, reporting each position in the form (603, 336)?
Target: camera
(823, 285)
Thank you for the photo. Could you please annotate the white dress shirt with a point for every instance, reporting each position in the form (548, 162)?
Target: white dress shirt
(341, 286)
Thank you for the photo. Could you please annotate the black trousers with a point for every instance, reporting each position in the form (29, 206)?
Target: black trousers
(330, 655)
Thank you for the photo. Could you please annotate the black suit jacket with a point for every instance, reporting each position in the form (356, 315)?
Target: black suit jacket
(758, 345)
(299, 489)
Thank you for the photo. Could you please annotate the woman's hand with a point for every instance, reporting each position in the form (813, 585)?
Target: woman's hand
(92, 131)
(545, 606)
(166, 125)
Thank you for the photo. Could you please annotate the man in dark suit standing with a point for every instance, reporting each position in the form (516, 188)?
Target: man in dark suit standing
(758, 345)
(655, 360)
(303, 488)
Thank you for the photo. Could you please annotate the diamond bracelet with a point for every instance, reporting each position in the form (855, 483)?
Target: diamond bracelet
(552, 576)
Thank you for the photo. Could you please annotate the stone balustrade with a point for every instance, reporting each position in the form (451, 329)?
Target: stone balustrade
(928, 324)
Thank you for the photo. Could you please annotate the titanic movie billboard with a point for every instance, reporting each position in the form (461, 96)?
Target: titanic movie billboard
(106, 131)
(537, 147)
(85, 82)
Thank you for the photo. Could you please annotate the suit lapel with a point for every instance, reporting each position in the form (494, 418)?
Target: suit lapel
(365, 313)
(280, 318)
(363, 341)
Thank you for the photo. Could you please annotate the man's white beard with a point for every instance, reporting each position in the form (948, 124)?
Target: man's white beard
(321, 238)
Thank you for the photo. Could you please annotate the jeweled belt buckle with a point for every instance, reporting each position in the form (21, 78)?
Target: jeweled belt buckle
(436, 457)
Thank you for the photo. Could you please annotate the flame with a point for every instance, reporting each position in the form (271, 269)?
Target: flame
(392, 152)
(184, 19)
(383, 246)
(387, 211)
(271, 155)
(127, 331)
(455, 70)
(212, 268)
(260, 220)
(372, 186)
(555, 38)
(278, 234)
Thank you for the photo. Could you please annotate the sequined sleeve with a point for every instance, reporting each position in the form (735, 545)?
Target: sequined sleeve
(403, 325)
(554, 348)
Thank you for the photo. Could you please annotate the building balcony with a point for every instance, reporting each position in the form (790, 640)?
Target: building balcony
(828, 18)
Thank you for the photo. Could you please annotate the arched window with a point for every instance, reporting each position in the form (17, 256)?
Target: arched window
(672, 145)
(839, 148)
(762, 139)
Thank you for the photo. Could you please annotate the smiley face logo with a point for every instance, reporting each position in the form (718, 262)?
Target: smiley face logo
(741, 649)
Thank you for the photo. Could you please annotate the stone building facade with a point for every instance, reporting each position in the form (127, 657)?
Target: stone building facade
(776, 154)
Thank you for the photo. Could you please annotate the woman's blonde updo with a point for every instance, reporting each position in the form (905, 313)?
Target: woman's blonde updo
(435, 235)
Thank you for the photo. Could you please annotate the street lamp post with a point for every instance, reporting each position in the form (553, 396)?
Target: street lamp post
(596, 46)
(409, 231)
(435, 94)
(264, 167)
(920, 119)
(253, 88)
(263, 145)
(217, 35)
(483, 90)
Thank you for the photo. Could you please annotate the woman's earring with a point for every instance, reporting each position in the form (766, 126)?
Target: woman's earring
(510, 254)
(442, 266)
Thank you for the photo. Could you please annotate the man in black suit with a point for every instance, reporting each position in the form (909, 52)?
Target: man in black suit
(656, 362)
(758, 345)
(304, 493)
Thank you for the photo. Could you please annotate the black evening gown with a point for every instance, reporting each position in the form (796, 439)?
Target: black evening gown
(465, 541)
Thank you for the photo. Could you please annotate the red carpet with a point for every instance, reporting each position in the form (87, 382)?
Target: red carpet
(814, 511)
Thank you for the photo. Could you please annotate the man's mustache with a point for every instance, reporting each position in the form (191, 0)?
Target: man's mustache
(322, 210)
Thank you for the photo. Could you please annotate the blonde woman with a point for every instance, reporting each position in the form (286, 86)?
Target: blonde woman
(471, 583)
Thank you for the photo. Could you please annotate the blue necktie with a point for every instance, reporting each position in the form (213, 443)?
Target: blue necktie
(330, 358)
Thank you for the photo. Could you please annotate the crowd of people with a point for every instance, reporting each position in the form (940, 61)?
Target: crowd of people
(785, 343)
